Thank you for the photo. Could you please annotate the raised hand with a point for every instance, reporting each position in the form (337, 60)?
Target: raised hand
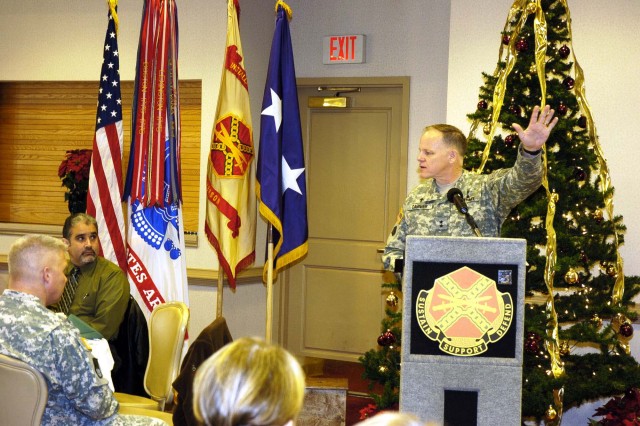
(540, 125)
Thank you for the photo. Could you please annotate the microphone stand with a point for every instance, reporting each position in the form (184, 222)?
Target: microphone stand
(473, 224)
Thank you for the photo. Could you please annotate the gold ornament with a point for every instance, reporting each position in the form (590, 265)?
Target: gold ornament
(596, 321)
(486, 129)
(625, 347)
(612, 271)
(598, 215)
(564, 348)
(617, 321)
(382, 369)
(550, 414)
(571, 277)
(392, 300)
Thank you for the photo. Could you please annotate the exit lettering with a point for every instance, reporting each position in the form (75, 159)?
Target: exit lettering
(342, 48)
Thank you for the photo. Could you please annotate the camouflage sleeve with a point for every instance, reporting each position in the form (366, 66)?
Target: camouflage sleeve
(394, 249)
(89, 393)
(513, 185)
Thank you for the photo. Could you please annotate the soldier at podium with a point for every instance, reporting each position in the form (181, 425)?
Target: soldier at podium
(452, 201)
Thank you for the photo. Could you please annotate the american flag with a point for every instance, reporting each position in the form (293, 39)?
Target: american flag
(105, 178)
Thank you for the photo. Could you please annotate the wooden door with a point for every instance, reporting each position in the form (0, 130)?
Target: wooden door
(356, 163)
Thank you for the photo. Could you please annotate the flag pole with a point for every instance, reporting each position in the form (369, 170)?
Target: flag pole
(220, 292)
(269, 321)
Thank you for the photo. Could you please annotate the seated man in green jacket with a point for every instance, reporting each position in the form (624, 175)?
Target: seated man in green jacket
(98, 290)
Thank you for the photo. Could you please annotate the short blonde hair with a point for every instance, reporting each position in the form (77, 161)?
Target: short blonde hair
(391, 418)
(29, 253)
(451, 135)
(248, 382)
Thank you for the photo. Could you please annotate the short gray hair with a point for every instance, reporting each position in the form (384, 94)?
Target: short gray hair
(74, 219)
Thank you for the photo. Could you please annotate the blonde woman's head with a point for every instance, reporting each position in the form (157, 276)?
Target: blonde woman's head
(247, 383)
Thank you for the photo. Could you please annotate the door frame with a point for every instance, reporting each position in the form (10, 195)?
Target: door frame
(278, 330)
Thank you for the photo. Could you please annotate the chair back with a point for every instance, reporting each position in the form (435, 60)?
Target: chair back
(23, 393)
(167, 329)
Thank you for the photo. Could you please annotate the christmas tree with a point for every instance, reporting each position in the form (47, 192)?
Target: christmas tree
(579, 303)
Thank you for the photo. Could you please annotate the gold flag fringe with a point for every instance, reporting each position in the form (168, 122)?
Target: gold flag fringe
(286, 8)
(113, 4)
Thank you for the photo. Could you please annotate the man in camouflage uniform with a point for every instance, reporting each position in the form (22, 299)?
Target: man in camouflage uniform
(78, 395)
(489, 197)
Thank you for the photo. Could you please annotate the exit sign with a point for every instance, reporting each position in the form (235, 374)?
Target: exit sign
(343, 49)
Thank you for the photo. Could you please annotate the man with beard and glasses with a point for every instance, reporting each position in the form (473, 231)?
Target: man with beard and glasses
(97, 291)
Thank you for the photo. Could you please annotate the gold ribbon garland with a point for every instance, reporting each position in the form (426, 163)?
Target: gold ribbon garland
(523, 8)
(605, 179)
(113, 4)
(502, 74)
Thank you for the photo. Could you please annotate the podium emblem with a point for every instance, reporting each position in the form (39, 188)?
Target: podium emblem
(464, 312)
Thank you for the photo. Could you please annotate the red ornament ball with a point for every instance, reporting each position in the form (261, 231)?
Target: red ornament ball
(506, 39)
(583, 257)
(580, 174)
(483, 104)
(387, 338)
(515, 109)
(532, 346)
(568, 83)
(564, 51)
(522, 45)
(510, 140)
(626, 330)
(562, 109)
(582, 122)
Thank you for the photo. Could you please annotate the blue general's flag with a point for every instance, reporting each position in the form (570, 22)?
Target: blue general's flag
(281, 184)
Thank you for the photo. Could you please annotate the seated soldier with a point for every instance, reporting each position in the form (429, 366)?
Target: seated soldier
(78, 395)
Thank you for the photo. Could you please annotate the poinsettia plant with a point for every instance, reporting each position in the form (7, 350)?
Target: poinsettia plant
(74, 173)
(620, 410)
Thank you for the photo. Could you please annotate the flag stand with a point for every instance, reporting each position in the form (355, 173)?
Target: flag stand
(220, 292)
(267, 334)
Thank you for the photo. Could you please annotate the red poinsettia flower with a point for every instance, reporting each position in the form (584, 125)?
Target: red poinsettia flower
(368, 411)
(74, 172)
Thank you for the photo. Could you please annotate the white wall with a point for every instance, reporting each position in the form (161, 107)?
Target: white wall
(606, 44)
(62, 41)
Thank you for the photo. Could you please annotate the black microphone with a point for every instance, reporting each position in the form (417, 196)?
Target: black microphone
(454, 195)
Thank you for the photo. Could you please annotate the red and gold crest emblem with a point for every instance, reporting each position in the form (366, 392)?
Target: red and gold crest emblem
(464, 312)
(232, 148)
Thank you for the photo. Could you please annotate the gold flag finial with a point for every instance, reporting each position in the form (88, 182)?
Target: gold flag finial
(286, 9)
(113, 4)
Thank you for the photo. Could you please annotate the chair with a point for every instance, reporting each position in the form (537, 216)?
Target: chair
(23, 393)
(212, 338)
(131, 348)
(167, 329)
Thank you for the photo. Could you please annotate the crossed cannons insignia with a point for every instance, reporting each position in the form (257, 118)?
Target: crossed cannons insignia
(464, 312)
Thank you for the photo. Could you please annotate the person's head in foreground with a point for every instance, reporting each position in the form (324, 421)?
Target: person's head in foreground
(36, 266)
(248, 383)
(391, 418)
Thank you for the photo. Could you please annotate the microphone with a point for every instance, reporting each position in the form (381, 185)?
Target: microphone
(454, 195)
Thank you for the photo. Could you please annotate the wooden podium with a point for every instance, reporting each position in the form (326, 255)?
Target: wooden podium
(462, 330)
